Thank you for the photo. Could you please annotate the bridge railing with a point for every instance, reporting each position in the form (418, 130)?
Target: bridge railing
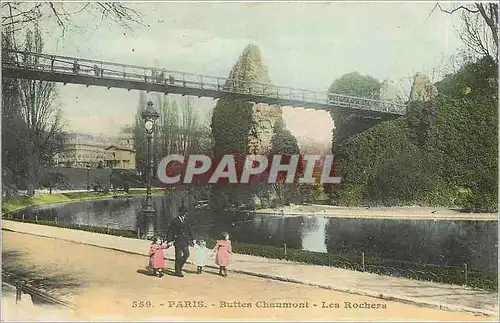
(222, 86)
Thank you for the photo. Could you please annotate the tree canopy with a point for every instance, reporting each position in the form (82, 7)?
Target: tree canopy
(355, 84)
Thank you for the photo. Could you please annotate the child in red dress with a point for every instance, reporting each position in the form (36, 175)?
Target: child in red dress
(223, 249)
(157, 256)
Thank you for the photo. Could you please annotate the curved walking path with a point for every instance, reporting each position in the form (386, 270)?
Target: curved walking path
(427, 294)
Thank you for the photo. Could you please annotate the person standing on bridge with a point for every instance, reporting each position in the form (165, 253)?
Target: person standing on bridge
(76, 67)
(180, 233)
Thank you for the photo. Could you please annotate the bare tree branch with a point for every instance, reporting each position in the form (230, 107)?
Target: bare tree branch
(491, 20)
(58, 17)
(456, 9)
(18, 14)
(21, 13)
(480, 30)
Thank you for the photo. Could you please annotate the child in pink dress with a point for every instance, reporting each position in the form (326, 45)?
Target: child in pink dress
(157, 256)
(223, 249)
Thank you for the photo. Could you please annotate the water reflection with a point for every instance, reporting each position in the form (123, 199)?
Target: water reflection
(445, 243)
(436, 242)
(313, 234)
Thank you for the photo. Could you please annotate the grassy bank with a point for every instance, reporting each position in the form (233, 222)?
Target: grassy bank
(353, 261)
(18, 202)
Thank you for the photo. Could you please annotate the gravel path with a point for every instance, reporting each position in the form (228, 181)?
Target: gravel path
(104, 284)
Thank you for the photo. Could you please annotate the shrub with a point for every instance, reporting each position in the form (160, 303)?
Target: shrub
(88, 228)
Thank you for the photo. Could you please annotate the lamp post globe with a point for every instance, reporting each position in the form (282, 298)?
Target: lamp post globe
(149, 115)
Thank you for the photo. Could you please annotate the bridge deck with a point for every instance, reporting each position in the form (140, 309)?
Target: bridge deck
(72, 70)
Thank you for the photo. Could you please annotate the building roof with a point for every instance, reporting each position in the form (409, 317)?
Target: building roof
(113, 147)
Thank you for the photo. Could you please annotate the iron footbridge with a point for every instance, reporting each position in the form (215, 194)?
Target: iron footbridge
(72, 70)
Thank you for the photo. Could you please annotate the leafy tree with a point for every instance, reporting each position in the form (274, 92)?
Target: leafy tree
(52, 179)
(355, 84)
(347, 125)
(285, 144)
(231, 124)
(14, 162)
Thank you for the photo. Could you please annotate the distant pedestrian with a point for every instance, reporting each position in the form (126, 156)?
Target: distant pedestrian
(223, 249)
(180, 233)
(201, 253)
(76, 67)
(157, 256)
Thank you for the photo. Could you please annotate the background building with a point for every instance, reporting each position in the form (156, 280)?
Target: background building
(117, 157)
(83, 149)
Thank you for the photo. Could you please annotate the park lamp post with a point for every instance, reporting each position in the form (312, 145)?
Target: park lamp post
(149, 115)
(88, 178)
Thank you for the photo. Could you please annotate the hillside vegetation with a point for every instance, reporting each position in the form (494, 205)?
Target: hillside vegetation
(443, 152)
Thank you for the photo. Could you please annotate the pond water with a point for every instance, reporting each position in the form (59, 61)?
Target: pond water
(443, 242)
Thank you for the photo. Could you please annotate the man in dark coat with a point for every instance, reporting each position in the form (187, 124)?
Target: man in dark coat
(180, 233)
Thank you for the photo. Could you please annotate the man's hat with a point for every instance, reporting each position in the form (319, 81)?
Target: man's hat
(183, 210)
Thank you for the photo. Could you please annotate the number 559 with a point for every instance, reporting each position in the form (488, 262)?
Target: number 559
(141, 304)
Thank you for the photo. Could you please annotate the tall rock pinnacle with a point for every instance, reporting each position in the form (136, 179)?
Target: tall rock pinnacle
(422, 89)
(249, 69)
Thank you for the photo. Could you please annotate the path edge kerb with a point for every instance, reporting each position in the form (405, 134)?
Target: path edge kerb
(396, 298)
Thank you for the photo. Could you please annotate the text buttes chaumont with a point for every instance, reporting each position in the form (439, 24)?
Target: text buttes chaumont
(306, 304)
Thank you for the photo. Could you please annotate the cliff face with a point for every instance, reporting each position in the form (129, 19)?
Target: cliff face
(245, 74)
(264, 118)
(388, 91)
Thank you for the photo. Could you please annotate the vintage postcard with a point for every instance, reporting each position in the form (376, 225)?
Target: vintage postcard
(249, 161)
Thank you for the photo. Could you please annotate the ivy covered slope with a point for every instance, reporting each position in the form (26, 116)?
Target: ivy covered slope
(442, 153)
(468, 133)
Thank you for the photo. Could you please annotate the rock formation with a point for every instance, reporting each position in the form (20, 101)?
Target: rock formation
(421, 115)
(244, 128)
(422, 89)
(388, 91)
(264, 118)
(249, 73)
(249, 69)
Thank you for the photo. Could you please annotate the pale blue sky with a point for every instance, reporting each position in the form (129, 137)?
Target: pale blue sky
(305, 45)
